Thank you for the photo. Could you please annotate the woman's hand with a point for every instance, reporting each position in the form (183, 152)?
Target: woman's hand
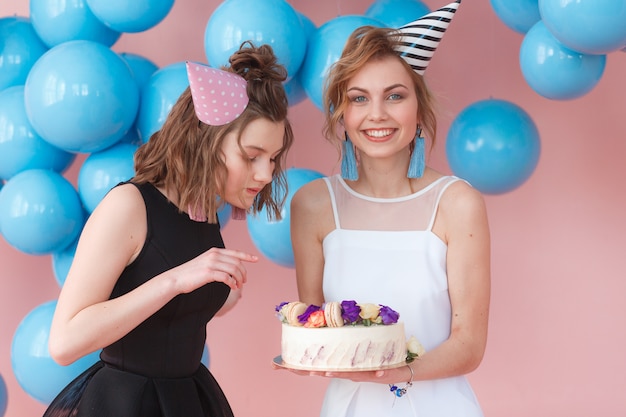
(216, 264)
(387, 376)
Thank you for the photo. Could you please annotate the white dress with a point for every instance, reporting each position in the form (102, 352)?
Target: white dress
(383, 251)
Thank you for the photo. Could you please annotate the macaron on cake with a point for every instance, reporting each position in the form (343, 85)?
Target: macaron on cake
(332, 314)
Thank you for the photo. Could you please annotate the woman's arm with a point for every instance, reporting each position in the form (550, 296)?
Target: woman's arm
(85, 319)
(310, 212)
(462, 223)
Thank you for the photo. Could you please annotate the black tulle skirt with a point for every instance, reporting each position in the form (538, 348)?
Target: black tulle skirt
(104, 391)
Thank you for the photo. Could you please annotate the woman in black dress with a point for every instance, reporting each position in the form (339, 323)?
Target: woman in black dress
(151, 270)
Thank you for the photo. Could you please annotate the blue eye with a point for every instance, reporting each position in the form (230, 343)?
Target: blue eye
(395, 96)
(358, 99)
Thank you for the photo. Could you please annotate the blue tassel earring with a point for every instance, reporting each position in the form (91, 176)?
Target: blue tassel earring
(348, 161)
(416, 165)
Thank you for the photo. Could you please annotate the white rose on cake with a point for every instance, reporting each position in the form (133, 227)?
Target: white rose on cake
(414, 348)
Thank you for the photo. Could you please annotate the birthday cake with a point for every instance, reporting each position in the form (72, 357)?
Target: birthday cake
(341, 336)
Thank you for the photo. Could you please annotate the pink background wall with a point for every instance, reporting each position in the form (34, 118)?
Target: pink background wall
(557, 329)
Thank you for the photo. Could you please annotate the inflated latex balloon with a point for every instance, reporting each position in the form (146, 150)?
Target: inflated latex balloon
(40, 212)
(36, 372)
(21, 148)
(61, 262)
(519, 15)
(102, 170)
(81, 96)
(141, 67)
(295, 91)
(308, 26)
(555, 71)
(325, 46)
(3, 396)
(20, 48)
(493, 144)
(130, 15)
(272, 22)
(159, 96)
(206, 358)
(61, 21)
(273, 238)
(223, 215)
(587, 26)
(397, 13)
(293, 87)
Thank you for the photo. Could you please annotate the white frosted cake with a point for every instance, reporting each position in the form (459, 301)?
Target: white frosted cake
(341, 336)
(347, 347)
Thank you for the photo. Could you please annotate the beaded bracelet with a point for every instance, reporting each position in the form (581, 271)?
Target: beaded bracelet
(399, 392)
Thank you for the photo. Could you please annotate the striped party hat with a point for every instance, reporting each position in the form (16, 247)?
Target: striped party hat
(420, 38)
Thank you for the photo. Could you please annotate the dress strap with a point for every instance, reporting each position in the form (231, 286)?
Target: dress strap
(448, 181)
(333, 202)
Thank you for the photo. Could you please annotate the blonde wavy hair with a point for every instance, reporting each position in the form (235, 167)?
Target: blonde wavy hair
(366, 44)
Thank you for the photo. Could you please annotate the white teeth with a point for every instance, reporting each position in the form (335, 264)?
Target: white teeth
(379, 133)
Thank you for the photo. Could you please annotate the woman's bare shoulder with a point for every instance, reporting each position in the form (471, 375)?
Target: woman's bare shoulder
(312, 196)
(462, 205)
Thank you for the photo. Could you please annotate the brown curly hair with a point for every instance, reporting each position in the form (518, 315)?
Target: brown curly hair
(185, 155)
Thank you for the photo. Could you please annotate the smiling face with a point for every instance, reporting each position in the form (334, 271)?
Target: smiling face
(250, 163)
(381, 115)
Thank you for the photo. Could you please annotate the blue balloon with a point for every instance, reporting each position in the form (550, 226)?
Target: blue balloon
(20, 48)
(159, 96)
(519, 15)
(272, 22)
(493, 144)
(35, 371)
(61, 21)
(21, 148)
(102, 170)
(555, 71)
(61, 262)
(132, 137)
(40, 212)
(587, 26)
(293, 87)
(295, 91)
(81, 96)
(141, 67)
(206, 358)
(308, 26)
(130, 16)
(3, 396)
(397, 13)
(325, 47)
(273, 238)
(223, 215)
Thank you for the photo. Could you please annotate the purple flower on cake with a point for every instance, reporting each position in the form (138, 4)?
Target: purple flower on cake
(350, 311)
(304, 317)
(297, 313)
(388, 315)
(279, 312)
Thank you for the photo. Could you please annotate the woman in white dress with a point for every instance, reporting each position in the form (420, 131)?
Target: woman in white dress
(393, 231)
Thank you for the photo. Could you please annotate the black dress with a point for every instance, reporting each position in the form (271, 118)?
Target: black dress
(156, 370)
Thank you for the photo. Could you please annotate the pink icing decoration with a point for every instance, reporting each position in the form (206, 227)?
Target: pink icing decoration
(219, 97)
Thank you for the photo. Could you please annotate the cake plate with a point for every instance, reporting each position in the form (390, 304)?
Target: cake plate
(278, 361)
